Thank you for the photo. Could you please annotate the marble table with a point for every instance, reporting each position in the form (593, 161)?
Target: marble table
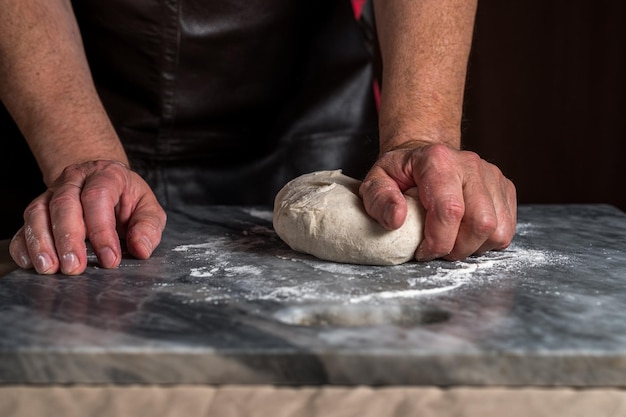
(224, 301)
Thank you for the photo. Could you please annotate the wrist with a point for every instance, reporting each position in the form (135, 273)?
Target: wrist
(56, 157)
(398, 136)
(432, 121)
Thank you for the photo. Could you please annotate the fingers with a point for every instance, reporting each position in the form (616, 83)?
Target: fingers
(470, 207)
(460, 213)
(478, 202)
(145, 226)
(53, 236)
(383, 199)
(99, 197)
(490, 225)
(19, 251)
(68, 228)
(478, 223)
(119, 199)
(89, 201)
(445, 208)
(33, 245)
(145, 229)
(506, 213)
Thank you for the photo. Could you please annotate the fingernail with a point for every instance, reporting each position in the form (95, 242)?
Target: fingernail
(24, 261)
(43, 263)
(69, 263)
(107, 257)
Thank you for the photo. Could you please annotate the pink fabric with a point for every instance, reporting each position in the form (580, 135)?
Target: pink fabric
(358, 5)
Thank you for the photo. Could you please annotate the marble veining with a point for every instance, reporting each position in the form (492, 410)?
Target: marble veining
(223, 300)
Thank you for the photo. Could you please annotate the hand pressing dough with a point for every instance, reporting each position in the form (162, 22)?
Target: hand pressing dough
(322, 214)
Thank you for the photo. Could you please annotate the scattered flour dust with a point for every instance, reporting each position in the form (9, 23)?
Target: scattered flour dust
(217, 260)
(267, 215)
(456, 274)
(276, 275)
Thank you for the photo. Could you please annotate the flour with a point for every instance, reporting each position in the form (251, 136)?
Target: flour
(251, 266)
(524, 229)
(475, 269)
(259, 214)
(204, 272)
(403, 293)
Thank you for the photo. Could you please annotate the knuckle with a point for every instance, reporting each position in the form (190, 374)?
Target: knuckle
(439, 154)
(71, 171)
(112, 172)
(439, 150)
(495, 171)
(100, 235)
(452, 210)
(476, 164)
(473, 157)
(71, 174)
(502, 238)
(484, 225)
(511, 189)
(374, 192)
(34, 209)
(30, 236)
(60, 201)
(95, 193)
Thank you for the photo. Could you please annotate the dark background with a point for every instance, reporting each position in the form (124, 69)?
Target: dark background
(545, 101)
(546, 98)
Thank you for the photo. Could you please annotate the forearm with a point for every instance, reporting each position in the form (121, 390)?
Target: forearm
(425, 46)
(46, 85)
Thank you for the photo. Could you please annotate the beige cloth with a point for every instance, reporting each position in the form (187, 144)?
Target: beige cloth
(248, 401)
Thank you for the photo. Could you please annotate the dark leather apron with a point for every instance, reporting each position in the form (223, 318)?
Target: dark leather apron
(222, 102)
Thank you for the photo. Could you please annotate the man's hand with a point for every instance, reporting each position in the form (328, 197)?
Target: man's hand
(100, 201)
(470, 206)
(46, 84)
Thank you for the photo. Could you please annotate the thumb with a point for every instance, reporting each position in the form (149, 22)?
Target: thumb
(383, 199)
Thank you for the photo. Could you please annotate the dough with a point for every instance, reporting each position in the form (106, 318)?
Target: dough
(322, 214)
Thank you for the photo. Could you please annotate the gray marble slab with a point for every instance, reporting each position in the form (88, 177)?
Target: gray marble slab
(224, 301)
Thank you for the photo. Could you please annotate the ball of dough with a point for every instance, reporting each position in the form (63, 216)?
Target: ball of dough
(322, 214)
